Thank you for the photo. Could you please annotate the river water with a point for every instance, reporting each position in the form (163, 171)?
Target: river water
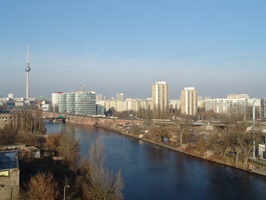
(155, 173)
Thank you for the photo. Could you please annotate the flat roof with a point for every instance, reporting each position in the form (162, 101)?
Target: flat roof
(8, 159)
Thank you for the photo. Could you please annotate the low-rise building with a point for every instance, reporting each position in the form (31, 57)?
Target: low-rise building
(11, 102)
(30, 152)
(9, 175)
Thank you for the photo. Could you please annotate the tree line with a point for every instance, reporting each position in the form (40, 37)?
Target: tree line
(87, 176)
(232, 141)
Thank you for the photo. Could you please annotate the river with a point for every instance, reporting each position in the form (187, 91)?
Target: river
(155, 173)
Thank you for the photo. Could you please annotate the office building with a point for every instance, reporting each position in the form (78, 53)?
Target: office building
(78, 103)
(189, 101)
(85, 103)
(71, 103)
(62, 103)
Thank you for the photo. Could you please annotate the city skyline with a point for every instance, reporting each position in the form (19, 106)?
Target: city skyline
(217, 47)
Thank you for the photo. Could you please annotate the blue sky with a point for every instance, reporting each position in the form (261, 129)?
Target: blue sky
(111, 46)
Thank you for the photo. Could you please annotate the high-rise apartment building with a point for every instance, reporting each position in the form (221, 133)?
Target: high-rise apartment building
(226, 106)
(189, 101)
(160, 96)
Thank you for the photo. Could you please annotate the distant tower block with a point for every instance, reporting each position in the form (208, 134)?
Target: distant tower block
(27, 69)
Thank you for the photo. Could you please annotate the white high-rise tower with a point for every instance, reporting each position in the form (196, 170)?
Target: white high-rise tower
(27, 69)
(189, 101)
(160, 96)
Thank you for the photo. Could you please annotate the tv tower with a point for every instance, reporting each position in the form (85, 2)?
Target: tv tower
(27, 69)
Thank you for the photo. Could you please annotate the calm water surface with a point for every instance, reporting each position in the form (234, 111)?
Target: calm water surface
(152, 173)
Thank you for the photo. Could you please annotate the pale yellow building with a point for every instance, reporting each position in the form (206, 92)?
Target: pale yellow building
(145, 103)
(189, 101)
(160, 96)
(132, 104)
(121, 105)
(110, 103)
(127, 104)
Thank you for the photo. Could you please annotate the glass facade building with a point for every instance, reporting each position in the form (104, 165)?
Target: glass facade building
(78, 103)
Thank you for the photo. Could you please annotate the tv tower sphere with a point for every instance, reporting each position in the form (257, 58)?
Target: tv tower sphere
(27, 69)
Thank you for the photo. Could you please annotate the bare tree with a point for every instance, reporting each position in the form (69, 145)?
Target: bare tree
(98, 182)
(183, 129)
(53, 141)
(69, 149)
(157, 132)
(238, 139)
(42, 187)
(7, 135)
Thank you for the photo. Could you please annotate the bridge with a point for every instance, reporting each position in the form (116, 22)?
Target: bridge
(88, 120)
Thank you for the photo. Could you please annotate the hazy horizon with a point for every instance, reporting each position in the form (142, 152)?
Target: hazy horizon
(218, 47)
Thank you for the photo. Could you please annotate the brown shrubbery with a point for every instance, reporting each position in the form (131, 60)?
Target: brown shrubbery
(98, 182)
(42, 186)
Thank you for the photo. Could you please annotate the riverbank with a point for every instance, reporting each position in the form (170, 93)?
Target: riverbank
(258, 171)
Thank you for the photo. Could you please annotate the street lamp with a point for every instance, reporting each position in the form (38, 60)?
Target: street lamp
(253, 127)
(65, 186)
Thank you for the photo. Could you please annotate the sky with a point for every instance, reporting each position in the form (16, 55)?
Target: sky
(123, 46)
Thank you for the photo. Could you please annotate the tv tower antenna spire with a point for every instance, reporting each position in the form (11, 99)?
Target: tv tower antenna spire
(27, 69)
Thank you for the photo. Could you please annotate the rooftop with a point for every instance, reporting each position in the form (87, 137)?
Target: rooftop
(8, 159)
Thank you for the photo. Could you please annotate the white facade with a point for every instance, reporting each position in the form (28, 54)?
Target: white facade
(189, 102)
(55, 97)
(55, 100)
(160, 96)
(11, 96)
(254, 101)
(119, 96)
(11, 101)
(261, 150)
(100, 97)
(237, 96)
(127, 104)
(225, 106)
(175, 103)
